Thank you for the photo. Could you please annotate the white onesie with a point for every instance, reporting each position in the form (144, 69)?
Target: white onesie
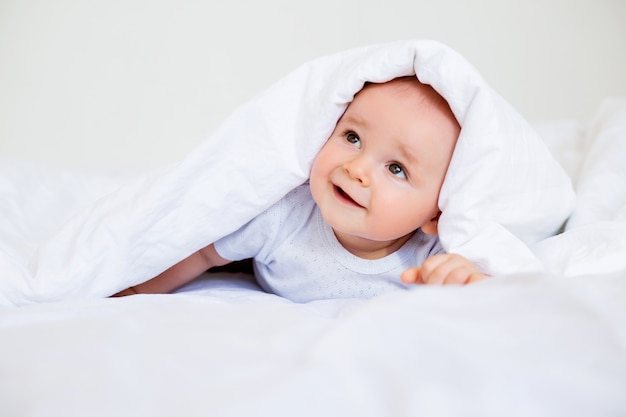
(297, 256)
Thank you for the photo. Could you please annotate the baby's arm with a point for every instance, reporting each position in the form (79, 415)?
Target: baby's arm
(179, 274)
(445, 268)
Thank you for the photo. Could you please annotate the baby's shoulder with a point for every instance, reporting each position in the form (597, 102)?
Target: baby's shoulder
(295, 210)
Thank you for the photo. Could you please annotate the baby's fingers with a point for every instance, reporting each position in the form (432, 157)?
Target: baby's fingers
(412, 275)
(436, 269)
(476, 276)
(449, 269)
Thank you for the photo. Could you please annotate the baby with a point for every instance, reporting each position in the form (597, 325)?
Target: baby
(366, 221)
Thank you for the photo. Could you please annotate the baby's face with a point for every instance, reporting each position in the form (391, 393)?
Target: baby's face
(377, 178)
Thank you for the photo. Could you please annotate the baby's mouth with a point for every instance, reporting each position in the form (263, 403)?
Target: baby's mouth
(346, 197)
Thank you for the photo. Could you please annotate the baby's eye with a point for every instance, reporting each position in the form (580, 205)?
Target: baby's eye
(353, 139)
(397, 170)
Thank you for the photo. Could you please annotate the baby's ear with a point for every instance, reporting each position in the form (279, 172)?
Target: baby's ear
(430, 227)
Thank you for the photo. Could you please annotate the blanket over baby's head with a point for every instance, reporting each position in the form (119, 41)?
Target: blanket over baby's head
(503, 190)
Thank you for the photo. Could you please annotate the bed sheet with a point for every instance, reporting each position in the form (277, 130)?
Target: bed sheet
(518, 346)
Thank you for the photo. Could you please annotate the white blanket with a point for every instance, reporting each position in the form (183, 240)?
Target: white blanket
(503, 192)
(595, 238)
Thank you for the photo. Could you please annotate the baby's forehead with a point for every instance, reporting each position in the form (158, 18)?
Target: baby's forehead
(423, 97)
(408, 86)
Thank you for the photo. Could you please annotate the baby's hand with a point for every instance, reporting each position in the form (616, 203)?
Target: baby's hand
(443, 269)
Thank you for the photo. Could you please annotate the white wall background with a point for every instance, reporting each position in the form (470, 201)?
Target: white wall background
(137, 83)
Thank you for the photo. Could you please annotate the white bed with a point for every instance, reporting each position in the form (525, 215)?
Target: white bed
(527, 344)
(523, 343)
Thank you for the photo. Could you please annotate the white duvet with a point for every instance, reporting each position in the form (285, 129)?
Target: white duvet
(546, 336)
(503, 191)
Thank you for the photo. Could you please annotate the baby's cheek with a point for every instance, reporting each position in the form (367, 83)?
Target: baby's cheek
(393, 224)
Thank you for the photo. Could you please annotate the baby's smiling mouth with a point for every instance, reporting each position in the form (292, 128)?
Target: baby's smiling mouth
(345, 197)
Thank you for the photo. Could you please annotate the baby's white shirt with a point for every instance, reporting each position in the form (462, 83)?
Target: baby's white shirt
(297, 256)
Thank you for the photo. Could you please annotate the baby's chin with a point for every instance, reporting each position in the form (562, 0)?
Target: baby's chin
(371, 237)
(370, 247)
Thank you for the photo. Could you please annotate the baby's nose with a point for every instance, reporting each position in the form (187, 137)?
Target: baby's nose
(358, 170)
